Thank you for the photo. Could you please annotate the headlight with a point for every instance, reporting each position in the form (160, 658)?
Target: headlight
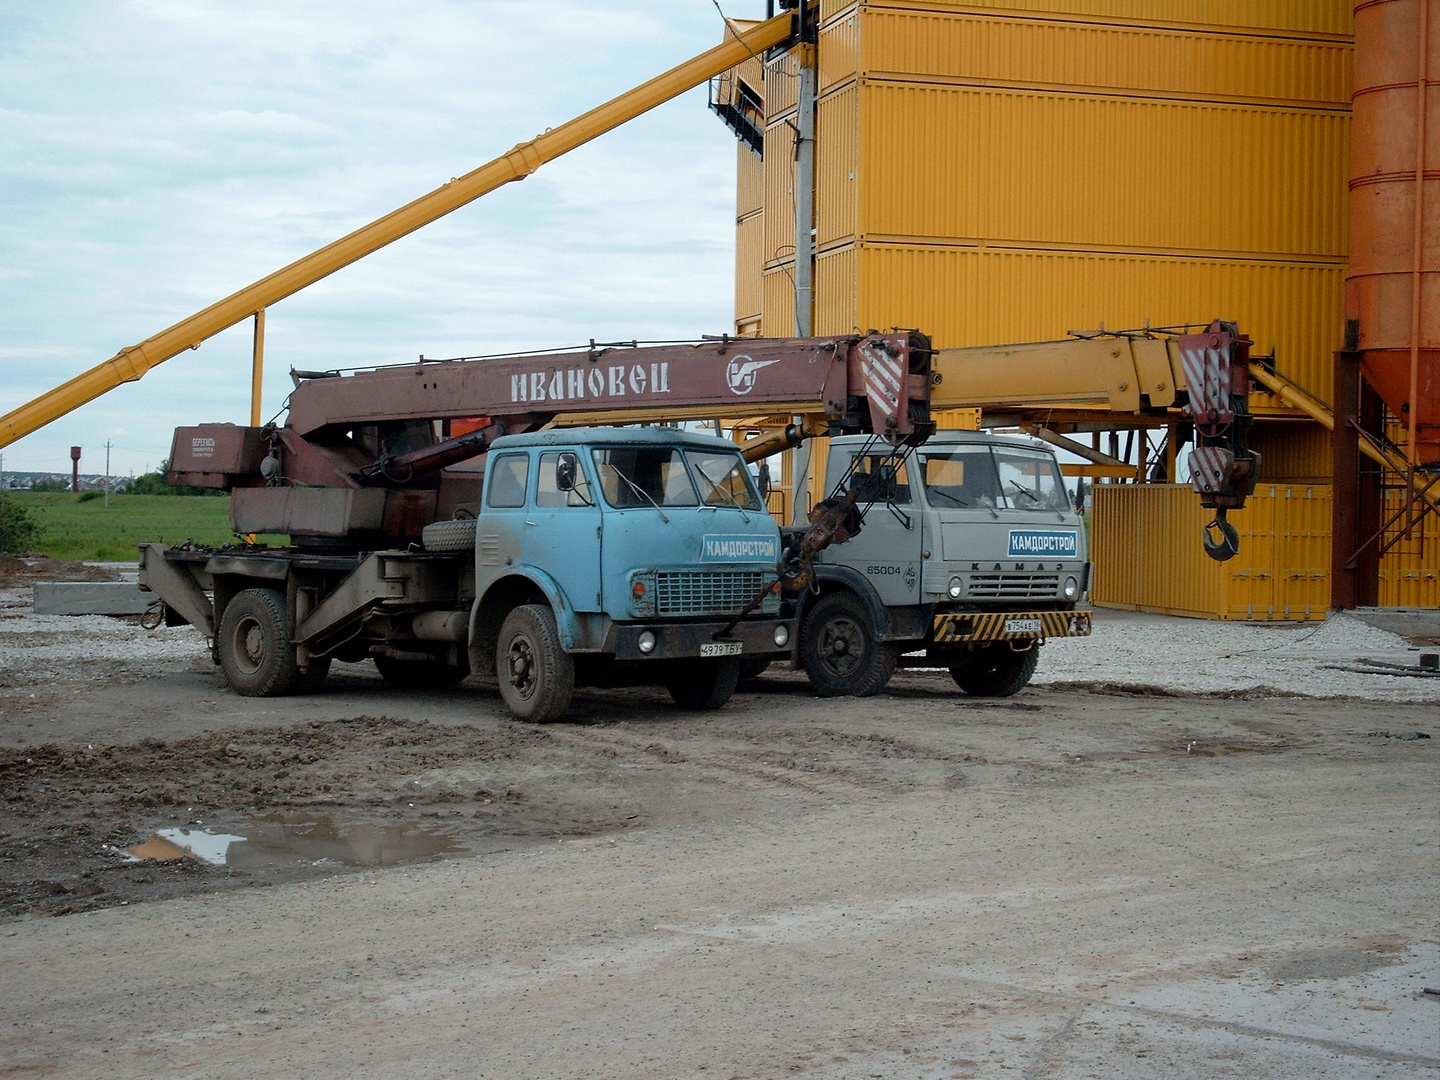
(782, 635)
(646, 642)
(1071, 588)
(957, 588)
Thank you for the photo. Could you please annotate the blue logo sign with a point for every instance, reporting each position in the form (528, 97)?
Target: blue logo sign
(1045, 544)
(739, 548)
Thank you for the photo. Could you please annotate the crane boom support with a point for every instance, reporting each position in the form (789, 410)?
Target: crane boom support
(132, 363)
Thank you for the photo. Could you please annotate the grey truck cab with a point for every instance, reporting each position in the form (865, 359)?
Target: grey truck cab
(970, 558)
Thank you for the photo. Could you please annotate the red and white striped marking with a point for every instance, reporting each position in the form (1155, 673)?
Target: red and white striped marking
(883, 377)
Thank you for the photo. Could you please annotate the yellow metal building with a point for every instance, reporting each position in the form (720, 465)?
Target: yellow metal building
(1011, 170)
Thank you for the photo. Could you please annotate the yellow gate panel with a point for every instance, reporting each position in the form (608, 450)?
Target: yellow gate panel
(1088, 170)
(1298, 16)
(837, 123)
(779, 291)
(999, 51)
(1148, 553)
(749, 181)
(749, 265)
(1410, 572)
(835, 293)
(779, 192)
(966, 295)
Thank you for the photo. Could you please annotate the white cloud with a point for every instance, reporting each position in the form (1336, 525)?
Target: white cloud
(157, 155)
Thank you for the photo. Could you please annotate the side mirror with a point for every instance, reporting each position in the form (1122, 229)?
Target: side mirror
(567, 470)
(764, 480)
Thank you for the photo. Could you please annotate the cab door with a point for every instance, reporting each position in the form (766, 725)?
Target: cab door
(887, 550)
(563, 527)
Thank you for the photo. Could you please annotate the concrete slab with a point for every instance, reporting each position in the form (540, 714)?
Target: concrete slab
(1406, 622)
(90, 598)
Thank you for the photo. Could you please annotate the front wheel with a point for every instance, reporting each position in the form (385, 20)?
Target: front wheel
(841, 654)
(254, 645)
(995, 670)
(537, 676)
(704, 684)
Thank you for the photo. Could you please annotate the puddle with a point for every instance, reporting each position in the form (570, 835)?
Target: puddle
(313, 839)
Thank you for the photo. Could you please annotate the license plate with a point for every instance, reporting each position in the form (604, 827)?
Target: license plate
(1022, 626)
(720, 648)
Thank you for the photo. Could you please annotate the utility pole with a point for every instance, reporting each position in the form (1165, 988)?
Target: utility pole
(107, 474)
(805, 52)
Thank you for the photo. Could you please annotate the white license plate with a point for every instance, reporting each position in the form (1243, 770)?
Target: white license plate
(1022, 626)
(720, 648)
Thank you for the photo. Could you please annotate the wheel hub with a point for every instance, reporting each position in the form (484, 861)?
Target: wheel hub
(522, 667)
(842, 644)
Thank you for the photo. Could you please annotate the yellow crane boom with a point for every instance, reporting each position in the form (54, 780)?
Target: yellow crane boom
(132, 363)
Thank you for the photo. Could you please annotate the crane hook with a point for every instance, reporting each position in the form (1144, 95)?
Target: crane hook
(1228, 546)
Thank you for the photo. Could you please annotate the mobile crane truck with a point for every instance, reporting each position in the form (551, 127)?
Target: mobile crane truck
(544, 558)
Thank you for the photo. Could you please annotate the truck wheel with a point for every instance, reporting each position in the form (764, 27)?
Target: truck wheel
(537, 676)
(419, 674)
(995, 671)
(704, 684)
(841, 654)
(254, 644)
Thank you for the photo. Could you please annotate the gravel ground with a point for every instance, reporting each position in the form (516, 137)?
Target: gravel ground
(1127, 649)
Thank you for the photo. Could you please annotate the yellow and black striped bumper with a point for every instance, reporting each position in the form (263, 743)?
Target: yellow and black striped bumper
(1009, 625)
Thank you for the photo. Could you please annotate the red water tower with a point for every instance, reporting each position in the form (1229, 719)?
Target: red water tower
(75, 469)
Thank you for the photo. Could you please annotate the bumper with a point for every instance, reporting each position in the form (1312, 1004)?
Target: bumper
(971, 626)
(678, 640)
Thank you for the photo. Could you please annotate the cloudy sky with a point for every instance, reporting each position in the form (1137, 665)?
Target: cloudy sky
(156, 155)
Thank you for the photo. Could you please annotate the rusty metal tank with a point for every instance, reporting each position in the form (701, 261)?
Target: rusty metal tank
(1393, 284)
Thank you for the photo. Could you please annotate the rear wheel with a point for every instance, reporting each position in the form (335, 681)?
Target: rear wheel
(419, 674)
(537, 676)
(254, 644)
(995, 670)
(704, 684)
(841, 654)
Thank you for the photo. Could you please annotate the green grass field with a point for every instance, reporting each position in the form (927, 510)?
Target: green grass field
(71, 529)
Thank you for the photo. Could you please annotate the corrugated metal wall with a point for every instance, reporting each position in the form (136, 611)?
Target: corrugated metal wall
(1145, 542)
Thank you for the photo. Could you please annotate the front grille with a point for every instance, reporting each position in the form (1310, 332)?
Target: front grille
(710, 592)
(1013, 586)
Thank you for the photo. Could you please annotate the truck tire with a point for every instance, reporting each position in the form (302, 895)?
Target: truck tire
(704, 684)
(449, 535)
(254, 645)
(841, 654)
(419, 674)
(995, 670)
(537, 676)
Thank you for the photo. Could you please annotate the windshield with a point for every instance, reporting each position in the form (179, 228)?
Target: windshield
(723, 479)
(643, 476)
(1001, 477)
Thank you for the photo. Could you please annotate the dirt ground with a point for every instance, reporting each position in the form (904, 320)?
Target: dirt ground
(1080, 881)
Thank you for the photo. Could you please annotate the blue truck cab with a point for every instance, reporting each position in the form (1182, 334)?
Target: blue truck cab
(621, 556)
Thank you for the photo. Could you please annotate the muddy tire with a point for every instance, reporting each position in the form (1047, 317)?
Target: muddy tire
(449, 535)
(995, 671)
(254, 645)
(841, 654)
(704, 684)
(419, 674)
(537, 676)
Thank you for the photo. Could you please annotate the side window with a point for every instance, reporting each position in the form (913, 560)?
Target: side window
(561, 481)
(507, 481)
